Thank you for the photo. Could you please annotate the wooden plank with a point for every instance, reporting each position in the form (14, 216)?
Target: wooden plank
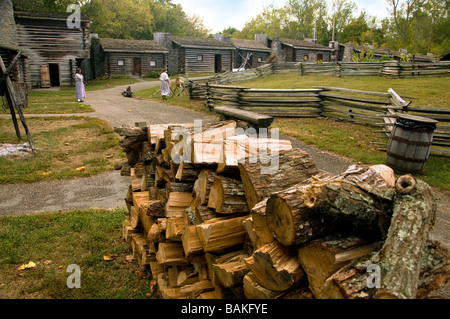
(248, 116)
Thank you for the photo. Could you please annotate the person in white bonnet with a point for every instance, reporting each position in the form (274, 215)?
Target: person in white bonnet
(165, 84)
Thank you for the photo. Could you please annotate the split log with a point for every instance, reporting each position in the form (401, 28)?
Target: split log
(175, 228)
(155, 235)
(171, 254)
(177, 204)
(263, 234)
(214, 258)
(178, 188)
(187, 276)
(127, 231)
(253, 290)
(323, 257)
(202, 185)
(203, 214)
(143, 253)
(231, 272)
(197, 288)
(294, 166)
(219, 234)
(191, 243)
(275, 267)
(134, 218)
(156, 208)
(227, 196)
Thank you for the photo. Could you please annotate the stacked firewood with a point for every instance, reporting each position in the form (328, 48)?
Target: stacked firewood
(215, 212)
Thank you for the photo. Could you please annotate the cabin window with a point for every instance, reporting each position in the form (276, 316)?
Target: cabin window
(120, 62)
(305, 57)
(200, 57)
(152, 63)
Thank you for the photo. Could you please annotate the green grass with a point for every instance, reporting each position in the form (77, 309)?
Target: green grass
(56, 240)
(63, 145)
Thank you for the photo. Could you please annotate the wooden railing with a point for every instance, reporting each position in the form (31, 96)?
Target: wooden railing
(364, 107)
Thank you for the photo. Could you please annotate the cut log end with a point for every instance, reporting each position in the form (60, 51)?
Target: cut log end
(281, 223)
(405, 185)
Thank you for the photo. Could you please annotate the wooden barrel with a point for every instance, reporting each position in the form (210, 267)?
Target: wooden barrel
(410, 143)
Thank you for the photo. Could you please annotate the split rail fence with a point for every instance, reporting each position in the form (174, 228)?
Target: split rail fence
(378, 109)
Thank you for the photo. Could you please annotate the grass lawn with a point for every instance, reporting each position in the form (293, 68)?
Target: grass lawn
(62, 100)
(63, 145)
(53, 241)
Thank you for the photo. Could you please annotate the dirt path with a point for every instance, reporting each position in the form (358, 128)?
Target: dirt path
(108, 190)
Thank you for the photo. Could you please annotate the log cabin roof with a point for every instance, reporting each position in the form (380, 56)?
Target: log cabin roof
(249, 45)
(303, 44)
(8, 32)
(392, 53)
(123, 45)
(193, 42)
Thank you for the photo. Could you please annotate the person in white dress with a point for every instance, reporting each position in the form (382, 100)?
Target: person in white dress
(80, 92)
(165, 84)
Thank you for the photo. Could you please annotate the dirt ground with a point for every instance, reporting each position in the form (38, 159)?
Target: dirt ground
(109, 190)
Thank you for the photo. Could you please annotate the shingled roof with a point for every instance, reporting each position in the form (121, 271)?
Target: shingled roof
(123, 45)
(249, 45)
(8, 33)
(200, 42)
(302, 44)
(59, 16)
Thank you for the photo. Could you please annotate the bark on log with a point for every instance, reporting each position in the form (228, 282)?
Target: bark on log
(156, 209)
(400, 258)
(358, 198)
(323, 257)
(294, 167)
(275, 267)
(227, 196)
(202, 185)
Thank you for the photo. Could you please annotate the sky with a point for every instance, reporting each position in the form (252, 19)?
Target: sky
(218, 15)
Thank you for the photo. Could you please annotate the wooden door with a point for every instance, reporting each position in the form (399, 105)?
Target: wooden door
(45, 76)
(137, 66)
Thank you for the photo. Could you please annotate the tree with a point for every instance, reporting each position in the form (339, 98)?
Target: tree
(355, 30)
(42, 5)
(342, 13)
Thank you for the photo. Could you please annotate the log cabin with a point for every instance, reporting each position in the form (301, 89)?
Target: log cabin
(55, 49)
(196, 55)
(134, 58)
(13, 58)
(306, 51)
(256, 51)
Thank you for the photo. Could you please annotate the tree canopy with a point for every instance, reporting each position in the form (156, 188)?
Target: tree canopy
(420, 26)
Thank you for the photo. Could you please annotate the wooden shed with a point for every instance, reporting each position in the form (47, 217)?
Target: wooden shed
(53, 47)
(195, 55)
(292, 50)
(134, 58)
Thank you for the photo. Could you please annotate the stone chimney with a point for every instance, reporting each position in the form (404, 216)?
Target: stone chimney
(348, 52)
(277, 50)
(165, 39)
(263, 39)
(220, 37)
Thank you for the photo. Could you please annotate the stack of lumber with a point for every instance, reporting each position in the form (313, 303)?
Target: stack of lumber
(254, 218)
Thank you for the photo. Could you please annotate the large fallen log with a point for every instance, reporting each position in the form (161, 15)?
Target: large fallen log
(316, 207)
(396, 267)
